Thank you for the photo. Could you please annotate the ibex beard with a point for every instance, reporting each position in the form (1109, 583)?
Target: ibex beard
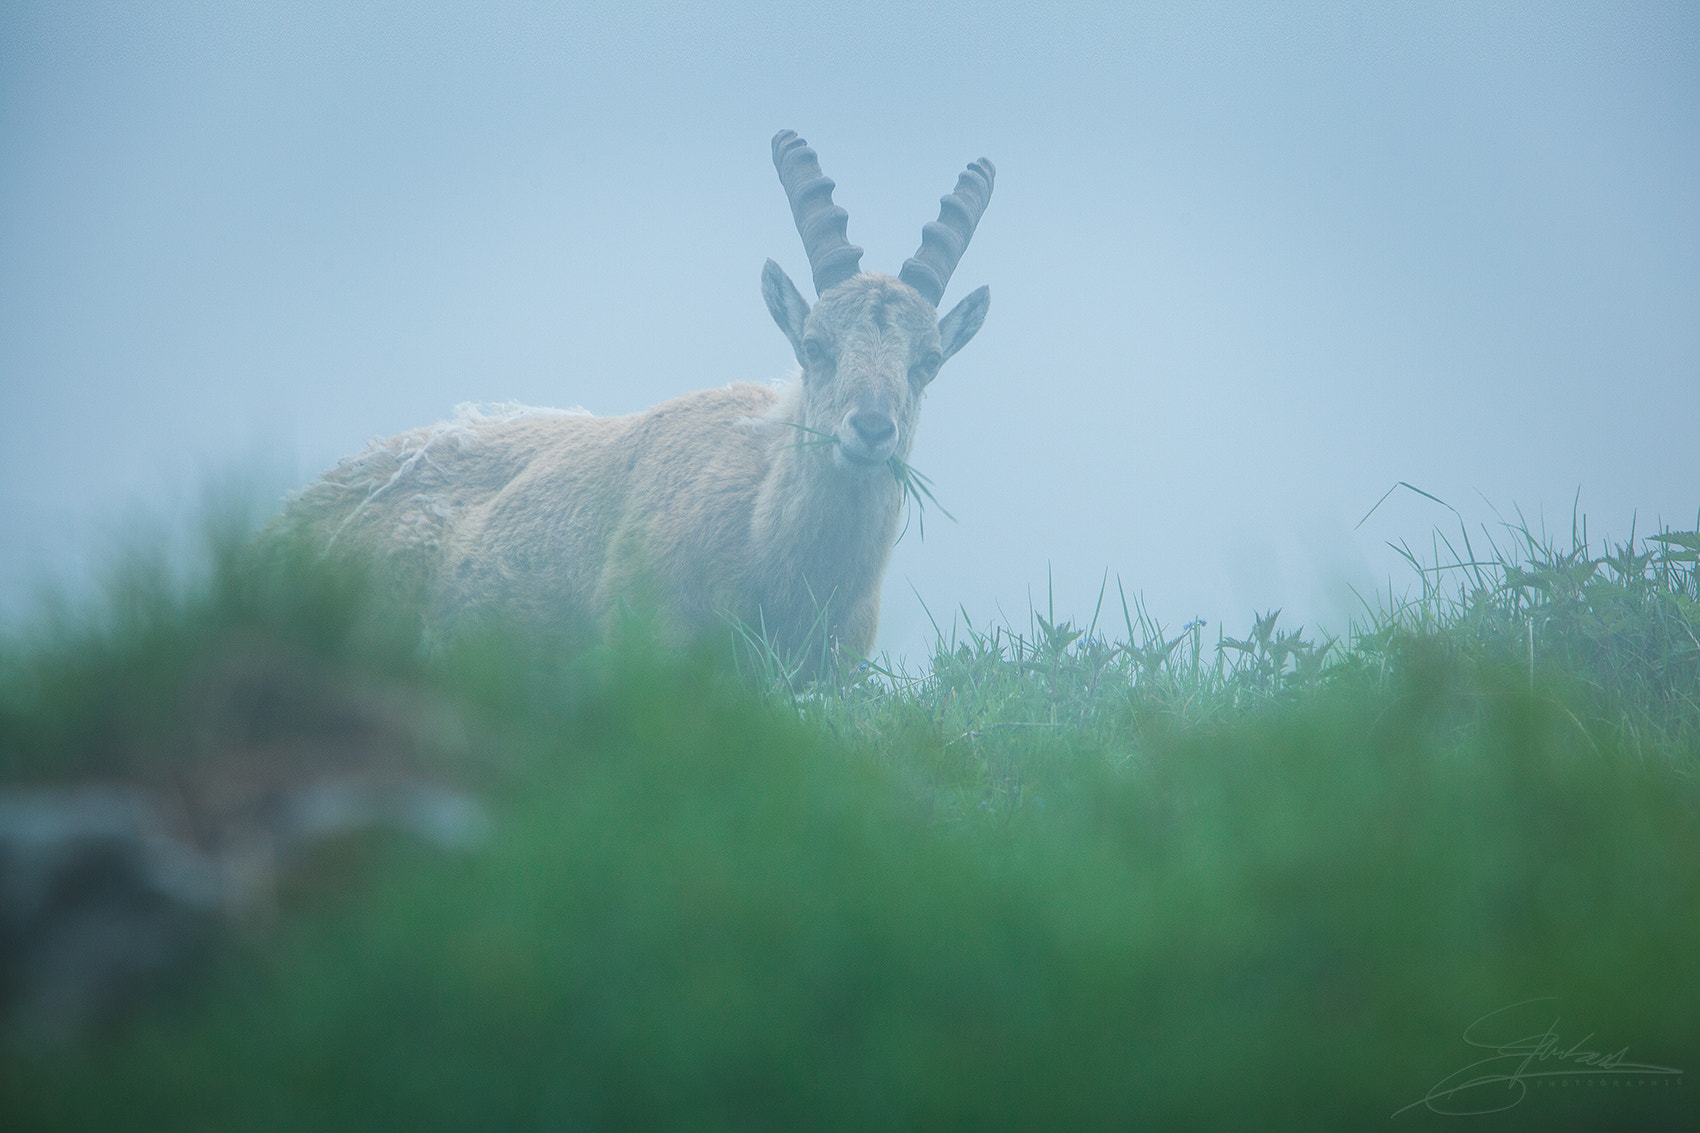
(771, 509)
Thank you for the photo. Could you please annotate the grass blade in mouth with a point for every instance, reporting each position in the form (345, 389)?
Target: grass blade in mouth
(824, 438)
(916, 486)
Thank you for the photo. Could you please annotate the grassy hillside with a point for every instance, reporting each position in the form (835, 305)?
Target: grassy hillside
(1066, 876)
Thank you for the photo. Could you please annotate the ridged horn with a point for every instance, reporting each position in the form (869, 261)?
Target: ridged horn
(832, 258)
(944, 240)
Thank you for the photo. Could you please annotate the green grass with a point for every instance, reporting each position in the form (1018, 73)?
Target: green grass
(1066, 876)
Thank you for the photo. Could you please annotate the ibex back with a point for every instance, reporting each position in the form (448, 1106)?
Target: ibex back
(774, 507)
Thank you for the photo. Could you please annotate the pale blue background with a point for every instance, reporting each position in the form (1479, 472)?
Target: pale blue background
(1250, 265)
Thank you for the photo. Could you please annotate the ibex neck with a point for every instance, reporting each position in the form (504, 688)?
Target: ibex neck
(823, 517)
(820, 533)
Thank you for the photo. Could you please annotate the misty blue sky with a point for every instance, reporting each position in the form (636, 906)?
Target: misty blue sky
(1250, 264)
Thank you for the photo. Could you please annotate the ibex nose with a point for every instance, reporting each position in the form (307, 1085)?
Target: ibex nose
(874, 429)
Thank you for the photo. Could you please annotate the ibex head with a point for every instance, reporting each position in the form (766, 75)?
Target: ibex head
(871, 343)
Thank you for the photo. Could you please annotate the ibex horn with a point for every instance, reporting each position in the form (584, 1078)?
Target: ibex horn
(944, 240)
(832, 258)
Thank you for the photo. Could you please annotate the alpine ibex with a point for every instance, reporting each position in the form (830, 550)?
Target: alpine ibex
(775, 507)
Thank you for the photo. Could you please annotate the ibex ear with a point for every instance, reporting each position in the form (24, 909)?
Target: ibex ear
(964, 320)
(786, 304)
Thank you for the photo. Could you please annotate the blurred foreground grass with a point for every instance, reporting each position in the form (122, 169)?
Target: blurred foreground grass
(1060, 879)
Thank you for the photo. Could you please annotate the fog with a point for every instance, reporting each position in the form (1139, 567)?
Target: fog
(1250, 265)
